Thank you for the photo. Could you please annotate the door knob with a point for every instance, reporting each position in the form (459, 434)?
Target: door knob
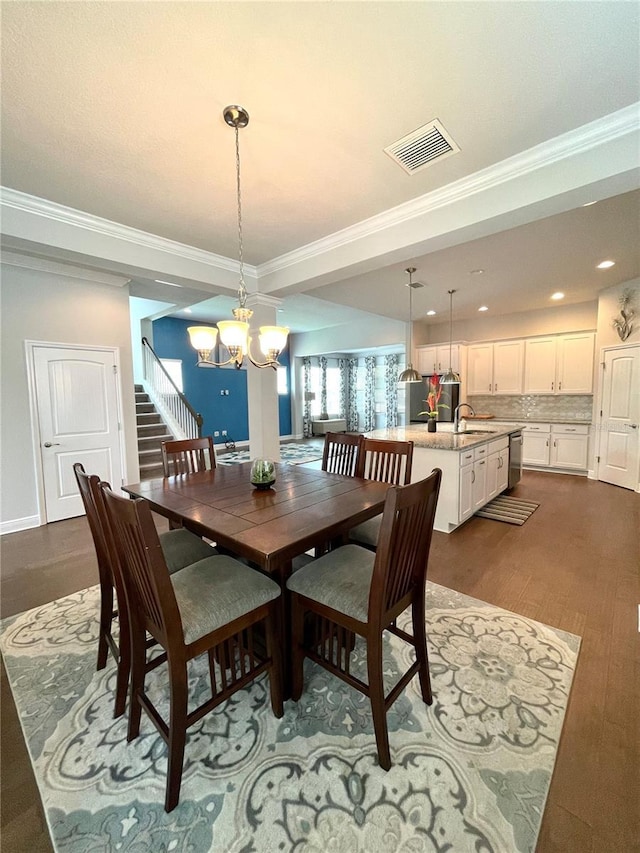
(51, 444)
(633, 426)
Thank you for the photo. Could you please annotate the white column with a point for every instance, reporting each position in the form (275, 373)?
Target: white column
(262, 389)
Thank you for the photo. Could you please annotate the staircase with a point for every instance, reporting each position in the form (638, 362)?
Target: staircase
(152, 431)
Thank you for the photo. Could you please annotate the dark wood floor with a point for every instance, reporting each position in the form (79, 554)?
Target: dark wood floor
(575, 564)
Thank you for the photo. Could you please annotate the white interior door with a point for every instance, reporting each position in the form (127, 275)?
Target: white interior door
(77, 410)
(619, 445)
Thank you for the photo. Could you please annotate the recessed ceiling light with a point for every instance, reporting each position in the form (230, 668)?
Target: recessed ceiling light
(557, 295)
(589, 203)
(604, 265)
(170, 283)
(476, 272)
(430, 313)
(483, 308)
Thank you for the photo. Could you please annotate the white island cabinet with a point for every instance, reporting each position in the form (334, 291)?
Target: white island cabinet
(475, 468)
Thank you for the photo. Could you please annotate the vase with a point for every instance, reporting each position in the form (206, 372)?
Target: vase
(431, 425)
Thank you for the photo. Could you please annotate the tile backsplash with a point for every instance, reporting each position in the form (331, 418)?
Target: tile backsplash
(538, 406)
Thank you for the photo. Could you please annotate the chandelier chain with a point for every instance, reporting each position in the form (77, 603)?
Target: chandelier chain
(242, 291)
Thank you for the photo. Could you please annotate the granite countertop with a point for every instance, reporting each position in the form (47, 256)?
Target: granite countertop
(443, 439)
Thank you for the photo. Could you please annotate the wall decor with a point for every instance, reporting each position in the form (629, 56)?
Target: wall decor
(624, 323)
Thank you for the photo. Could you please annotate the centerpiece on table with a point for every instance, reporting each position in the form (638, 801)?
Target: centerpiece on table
(263, 474)
(433, 402)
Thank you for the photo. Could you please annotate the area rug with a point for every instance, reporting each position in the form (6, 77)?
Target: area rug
(294, 454)
(510, 510)
(470, 773)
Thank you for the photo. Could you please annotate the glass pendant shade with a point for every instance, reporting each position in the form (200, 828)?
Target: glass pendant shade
(234, 333)
(203, 338)
(273, 339)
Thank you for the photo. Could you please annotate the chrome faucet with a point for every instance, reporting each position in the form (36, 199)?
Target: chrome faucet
(456, 415)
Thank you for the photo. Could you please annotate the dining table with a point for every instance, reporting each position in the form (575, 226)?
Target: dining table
(304, 509)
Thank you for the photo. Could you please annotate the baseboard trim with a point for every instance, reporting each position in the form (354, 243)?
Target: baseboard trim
(17, 524)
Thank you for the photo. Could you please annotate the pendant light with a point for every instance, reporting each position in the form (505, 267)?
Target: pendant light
(234, 334)
(410, 374)
(450, 377)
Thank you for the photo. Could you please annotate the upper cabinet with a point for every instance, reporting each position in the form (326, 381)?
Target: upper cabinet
(435, 359)
(560, 364)
(495, 368)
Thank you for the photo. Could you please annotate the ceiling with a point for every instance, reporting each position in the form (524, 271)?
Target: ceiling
(115, 109)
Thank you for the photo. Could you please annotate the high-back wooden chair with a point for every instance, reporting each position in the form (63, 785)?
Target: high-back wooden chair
(211, 607)
(340, 454)
(180, 547)
(186, 456)
(388, 462)
(354, 591)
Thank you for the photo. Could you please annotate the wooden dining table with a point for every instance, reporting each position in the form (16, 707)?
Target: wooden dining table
(304, 509)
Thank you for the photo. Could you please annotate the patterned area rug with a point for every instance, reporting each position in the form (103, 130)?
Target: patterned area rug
(294, 454)
(470, 773)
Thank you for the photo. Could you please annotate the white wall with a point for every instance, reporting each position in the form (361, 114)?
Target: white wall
(546, 321)
(49, 306)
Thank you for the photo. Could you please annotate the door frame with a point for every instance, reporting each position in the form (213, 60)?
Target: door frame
(600, 400)
(36, 438)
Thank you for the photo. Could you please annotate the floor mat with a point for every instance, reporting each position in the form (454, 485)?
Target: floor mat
(511, 510)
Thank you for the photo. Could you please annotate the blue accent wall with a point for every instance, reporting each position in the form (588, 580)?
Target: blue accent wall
(202, 386)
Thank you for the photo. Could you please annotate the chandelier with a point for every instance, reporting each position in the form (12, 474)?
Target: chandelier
(234, 334)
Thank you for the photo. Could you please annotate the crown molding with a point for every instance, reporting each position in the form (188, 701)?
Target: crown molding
(585, 138)
(15, 200)
(31, 262)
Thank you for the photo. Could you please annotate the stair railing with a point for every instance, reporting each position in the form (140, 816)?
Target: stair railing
(174, 407)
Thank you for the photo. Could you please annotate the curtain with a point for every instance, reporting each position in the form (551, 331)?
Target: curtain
(391, 389)
(353, 420)
(343, 365)
(369, 393)
(322, 361)
(306, 384)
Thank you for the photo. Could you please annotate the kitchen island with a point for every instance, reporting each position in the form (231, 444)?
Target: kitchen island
(474, 463)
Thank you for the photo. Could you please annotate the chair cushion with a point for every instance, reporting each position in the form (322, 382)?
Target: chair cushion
(340, 579)
(215, 591)
(181, 548)
(367, 533)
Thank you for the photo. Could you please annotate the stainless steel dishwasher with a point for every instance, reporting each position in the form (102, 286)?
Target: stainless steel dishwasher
(515, 458)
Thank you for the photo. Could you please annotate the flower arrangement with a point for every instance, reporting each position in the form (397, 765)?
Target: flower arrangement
(433, 397)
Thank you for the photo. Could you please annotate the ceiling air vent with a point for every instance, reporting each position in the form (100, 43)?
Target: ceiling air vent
(423, 147)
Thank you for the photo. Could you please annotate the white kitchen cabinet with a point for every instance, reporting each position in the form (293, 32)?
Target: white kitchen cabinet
(435, 359)
(479, 484)
(540, 366)
(575, 363)
(497, 468)
(569, 445)
(561, 364)
(480, 369)
(535, 444)
(508, 367)
(466, 493)
(496, 368)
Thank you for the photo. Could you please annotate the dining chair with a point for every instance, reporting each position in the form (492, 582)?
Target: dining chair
(186, 456)
(340, 454)
(180, 548)
(353, 591)
(211, 606)
(388, 462)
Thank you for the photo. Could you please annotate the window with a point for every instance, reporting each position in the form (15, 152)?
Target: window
(333, 391)
(173, 366)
